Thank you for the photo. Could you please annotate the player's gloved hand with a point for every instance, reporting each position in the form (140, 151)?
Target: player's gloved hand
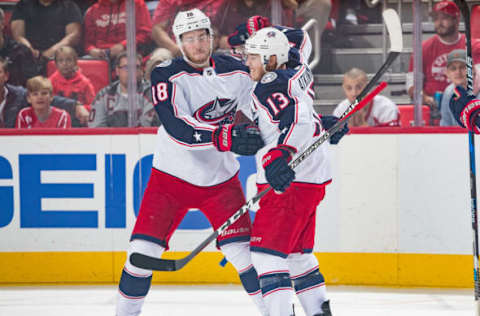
(277, 171)
(242, 139)
(465, 109)
(327, 122)
(244, 30)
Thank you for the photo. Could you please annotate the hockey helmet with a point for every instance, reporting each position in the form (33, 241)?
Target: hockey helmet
(267, 42)
(190, 20)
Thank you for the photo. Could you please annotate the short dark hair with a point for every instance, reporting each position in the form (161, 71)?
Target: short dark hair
(124, 55)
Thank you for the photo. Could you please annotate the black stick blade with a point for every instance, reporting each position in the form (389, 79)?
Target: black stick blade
(152, 263)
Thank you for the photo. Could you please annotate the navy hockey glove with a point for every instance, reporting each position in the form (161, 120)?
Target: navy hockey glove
(465, 109)
(241, 139)
(277, 171)
(327, 122)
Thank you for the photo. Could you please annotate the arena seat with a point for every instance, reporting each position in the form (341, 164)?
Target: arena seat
(475, 21)
(97, 70)
(407, 115)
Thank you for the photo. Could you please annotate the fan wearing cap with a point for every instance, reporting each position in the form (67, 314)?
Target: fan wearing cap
(457, 75)
(282, 106)
(446, 19)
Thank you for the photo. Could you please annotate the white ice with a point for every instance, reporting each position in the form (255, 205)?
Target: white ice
(229, 300)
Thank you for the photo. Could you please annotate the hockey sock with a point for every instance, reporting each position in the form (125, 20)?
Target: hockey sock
(135, 282)
(275, 283)
(308, 281)
(132, 289)
(311, 292)
(238, 254)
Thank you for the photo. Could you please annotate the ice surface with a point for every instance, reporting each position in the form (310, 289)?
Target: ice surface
(229, 300)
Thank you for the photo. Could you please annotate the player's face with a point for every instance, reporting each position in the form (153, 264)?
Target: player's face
(40, 99)
(255, 64)
(66, 64)
(445, 25)
(457, 73)
(353, 86)
(196, 46)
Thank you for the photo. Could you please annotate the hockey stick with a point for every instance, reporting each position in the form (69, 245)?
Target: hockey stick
(152, 263)
(394, 28)
(464, 9)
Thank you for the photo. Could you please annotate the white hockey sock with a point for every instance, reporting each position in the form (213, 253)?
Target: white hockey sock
(238, 254)
(135, 282)
(308, 281)
(275, 283)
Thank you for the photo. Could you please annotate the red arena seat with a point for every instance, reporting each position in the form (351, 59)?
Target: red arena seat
(407, 115)
(97, 70)
(475, 21)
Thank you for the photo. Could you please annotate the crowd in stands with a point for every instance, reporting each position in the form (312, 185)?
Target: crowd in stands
(44, 45)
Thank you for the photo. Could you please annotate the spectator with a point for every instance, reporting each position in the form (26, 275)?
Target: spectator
(446, 18)
(356, 12)
(167, 10)
(105, 28)
(21, 61)
(110, 108)
(41, 114)
(14, 98)
(380, 112)
(68, 81)
(457, 75)
(45, 25)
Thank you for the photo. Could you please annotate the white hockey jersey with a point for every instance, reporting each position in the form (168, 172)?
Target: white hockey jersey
(282, 106)
(382, 112)
(191, 103)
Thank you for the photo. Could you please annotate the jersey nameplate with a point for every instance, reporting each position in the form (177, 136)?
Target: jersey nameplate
(305, 80)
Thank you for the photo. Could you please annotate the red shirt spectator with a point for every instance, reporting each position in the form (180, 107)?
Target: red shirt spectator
(434, 59)
(56, 119)
(41, 114)
(77, 87)
(105, 27)
(68, 81)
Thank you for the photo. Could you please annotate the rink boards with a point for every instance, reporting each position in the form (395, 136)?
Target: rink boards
(396, 214)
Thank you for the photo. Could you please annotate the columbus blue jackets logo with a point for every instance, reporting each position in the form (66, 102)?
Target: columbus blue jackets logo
(218, 111)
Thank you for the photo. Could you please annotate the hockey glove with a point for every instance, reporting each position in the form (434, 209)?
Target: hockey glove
(327, 122)
(244, 30)
(465, 109)
(277, 171)
(241, 139)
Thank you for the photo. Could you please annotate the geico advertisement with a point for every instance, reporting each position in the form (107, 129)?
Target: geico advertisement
(81, 182)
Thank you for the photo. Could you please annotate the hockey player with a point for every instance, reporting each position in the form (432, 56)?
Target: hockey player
(466, 109)
(194, 166)
(284, 227)
(297, 38)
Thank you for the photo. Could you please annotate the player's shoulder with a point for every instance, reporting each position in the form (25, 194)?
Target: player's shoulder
(293, 34)
(274, 81)
(168, 68)
(228, 64)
